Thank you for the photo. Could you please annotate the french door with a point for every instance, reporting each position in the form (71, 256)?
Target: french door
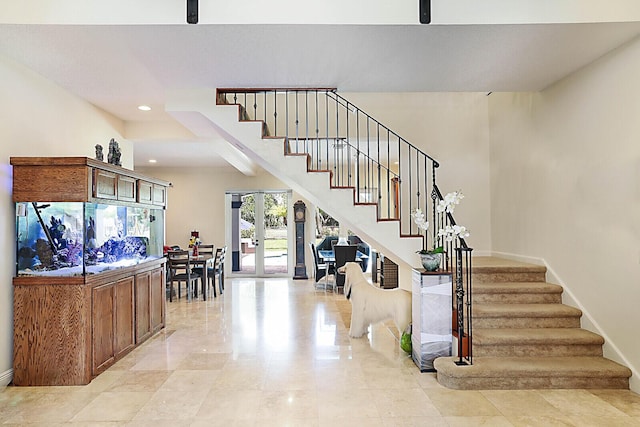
(259, 233)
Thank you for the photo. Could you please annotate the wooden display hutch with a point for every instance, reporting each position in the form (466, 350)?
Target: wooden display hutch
(68, 328)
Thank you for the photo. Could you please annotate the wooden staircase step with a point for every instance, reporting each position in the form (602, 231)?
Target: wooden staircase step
(508, 373)
(541, 342)
(525, 316)
(517, 293)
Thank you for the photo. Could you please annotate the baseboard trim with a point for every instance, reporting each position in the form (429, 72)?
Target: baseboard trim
(6, 377)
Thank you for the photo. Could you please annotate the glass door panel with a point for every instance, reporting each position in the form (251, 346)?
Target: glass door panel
(275, 240)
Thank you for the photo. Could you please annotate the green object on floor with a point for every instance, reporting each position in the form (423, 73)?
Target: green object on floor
(405, 342)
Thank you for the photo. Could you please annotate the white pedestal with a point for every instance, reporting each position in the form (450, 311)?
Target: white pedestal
(431, 317)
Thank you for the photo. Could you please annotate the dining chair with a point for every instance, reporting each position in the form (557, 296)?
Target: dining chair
(217, 269)
(321, 269)
(207, 251)
(343, 255)
(180, 270)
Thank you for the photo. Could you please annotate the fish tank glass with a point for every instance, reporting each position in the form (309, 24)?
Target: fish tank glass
(76, 238)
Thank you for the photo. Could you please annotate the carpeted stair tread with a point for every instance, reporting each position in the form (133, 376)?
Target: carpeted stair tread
(542, 336)
(488, 367)
(524, 310)
(500, 265)
(516, 288)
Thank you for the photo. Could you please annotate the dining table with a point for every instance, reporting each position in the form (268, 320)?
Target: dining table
(204, 262)
(328, 257)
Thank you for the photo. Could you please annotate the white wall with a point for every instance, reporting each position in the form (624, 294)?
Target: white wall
(452, 128)
(196, 200)
(39, 119)
(565, 186)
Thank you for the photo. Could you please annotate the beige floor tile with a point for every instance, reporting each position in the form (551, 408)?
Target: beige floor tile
(437, 421)
(351, 421)
(453, 403)
(624, 400)
(144, 381)
(287, 405)
(481, 421)
(274, 352)
(580, 402)
(521, 403)
(50, 407)
(347, 404)
(231, 405)
(404, 402)
(183, 380)
(172, 405)
(113, 406)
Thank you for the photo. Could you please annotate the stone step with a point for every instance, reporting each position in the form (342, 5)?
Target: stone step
(541, 342)
(517, 293)
(525, 316)
(512, 373)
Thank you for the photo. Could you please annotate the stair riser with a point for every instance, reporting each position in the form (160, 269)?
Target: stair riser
(525, 350)
(517, 298)
(526, 322)
(508, 277)
(551, 382)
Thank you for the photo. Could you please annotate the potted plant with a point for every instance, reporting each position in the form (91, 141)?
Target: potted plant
(432, 258)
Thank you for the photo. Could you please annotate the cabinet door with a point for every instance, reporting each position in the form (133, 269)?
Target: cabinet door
(103, 326)
(143, 297)
(145, 192)
(105, 184)
(124, 317)
(157, 299)
(126, 188)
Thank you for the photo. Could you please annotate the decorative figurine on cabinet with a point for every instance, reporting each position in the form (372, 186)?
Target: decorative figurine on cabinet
(114, 153)
(99, 153)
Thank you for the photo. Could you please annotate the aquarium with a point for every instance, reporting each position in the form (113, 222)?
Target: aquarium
(76, 238)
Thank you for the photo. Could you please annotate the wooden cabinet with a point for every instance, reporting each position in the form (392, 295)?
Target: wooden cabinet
(124, 339)
(68, 329)
(143, 304)
(150, 303)
(81, 179)
(112, 319)
(103, 326)
(157, 308)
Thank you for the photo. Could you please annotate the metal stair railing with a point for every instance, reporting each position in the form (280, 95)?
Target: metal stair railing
(361, 153)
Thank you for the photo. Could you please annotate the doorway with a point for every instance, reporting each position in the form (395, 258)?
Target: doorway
(259, 230)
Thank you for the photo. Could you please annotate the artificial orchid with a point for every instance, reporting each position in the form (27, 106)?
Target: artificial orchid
(448, 233)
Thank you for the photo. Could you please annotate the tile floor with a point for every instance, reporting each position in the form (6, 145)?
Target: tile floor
(275, 352)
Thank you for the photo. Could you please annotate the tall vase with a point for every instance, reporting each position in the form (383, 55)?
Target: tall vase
(431, 262)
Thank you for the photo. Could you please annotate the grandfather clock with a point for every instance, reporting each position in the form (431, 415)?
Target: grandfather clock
(299, 212)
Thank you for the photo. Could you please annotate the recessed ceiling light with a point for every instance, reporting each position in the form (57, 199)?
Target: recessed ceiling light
(153, 161)
(144, 108)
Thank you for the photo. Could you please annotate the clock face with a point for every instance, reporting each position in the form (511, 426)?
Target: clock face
(300, 215)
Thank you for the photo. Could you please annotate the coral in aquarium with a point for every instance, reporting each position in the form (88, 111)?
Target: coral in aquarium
(56, 231)
(116, 249)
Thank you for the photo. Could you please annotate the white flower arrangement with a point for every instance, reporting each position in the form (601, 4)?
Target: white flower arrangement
(449, 232)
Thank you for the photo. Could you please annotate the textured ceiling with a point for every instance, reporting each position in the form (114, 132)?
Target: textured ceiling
(119, 67)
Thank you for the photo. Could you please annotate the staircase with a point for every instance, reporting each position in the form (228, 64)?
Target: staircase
(525, 338)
